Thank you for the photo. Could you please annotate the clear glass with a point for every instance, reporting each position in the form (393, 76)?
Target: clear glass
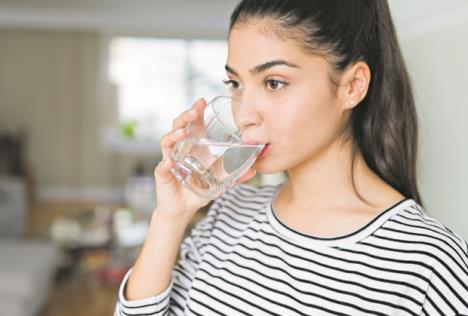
(213, 157)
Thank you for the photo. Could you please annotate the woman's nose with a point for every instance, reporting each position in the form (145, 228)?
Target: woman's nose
(246, 113)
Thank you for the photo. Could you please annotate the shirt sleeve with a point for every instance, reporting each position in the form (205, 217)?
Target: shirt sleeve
(172, 300)
(447, 293)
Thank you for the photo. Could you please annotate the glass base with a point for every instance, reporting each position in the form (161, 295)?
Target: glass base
(194, 177)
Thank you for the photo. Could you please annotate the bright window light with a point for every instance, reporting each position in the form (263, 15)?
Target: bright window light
(157, 79)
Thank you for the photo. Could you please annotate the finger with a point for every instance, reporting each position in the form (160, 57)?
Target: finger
(199, 104)
(247, 176)
(183, 119)
(190, 115)
(168, 141)
(162, 172)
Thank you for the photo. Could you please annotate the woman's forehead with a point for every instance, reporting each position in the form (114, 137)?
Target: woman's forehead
(249, 46)
(249, 42)
(256, 32)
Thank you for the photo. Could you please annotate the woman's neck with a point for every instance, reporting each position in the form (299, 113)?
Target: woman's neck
(323, 183)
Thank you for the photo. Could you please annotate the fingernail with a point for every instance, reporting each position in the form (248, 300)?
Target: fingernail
(196, 102)
(180, 132)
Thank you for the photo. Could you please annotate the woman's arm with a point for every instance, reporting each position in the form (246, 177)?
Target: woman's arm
(152, 272)
(166, 286)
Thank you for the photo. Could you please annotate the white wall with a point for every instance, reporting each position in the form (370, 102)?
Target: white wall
(438, 64)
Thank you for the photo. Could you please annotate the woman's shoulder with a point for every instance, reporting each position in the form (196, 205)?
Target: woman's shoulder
(443, 251)
(427, 235)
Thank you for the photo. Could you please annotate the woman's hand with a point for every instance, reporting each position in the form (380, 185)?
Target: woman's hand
(173, 199)
(175, 207)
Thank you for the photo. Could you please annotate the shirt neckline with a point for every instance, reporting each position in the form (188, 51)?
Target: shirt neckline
(353, 237)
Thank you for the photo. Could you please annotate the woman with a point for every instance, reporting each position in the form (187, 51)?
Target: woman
(346, 234)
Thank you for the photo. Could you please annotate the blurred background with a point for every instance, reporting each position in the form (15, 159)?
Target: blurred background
(87, 88)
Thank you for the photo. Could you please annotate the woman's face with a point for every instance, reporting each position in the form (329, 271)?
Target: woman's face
(287, 95)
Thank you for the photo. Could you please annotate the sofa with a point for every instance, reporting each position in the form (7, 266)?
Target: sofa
(27, 267)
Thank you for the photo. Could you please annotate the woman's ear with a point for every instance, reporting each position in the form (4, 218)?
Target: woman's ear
(356, 80)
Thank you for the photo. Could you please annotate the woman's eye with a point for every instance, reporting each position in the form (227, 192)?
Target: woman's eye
(273, 84)
(232, 83)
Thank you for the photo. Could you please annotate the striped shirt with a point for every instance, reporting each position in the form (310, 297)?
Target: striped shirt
(241, 259)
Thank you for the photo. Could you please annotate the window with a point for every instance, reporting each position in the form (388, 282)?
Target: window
(156, 79)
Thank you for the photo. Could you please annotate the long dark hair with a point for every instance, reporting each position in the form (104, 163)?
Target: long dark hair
(383, 127)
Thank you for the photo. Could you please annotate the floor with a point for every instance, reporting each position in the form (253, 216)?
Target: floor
(79, 297)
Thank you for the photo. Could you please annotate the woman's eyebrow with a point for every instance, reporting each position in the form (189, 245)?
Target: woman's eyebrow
(258, 69)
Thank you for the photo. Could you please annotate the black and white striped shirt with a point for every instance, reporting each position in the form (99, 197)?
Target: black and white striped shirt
(242, 260)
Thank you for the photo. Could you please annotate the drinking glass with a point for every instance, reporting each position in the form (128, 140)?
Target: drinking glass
(212, 156)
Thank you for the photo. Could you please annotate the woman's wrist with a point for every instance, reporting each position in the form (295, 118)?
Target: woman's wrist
(153, 268)
(171, 221)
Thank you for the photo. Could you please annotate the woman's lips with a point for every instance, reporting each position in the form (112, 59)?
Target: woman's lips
(264, 151)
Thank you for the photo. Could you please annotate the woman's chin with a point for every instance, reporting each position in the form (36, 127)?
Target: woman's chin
(265, 165)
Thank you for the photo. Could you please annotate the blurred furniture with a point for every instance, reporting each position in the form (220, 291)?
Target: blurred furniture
(26, 270)
(86, 240)
(26, 266)
(76, 290)
(11, 154)
(12, 160)
(13, 209)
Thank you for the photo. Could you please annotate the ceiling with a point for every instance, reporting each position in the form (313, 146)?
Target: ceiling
(194, 18)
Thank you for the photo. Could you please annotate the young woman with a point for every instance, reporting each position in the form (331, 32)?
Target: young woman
(346, 234)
